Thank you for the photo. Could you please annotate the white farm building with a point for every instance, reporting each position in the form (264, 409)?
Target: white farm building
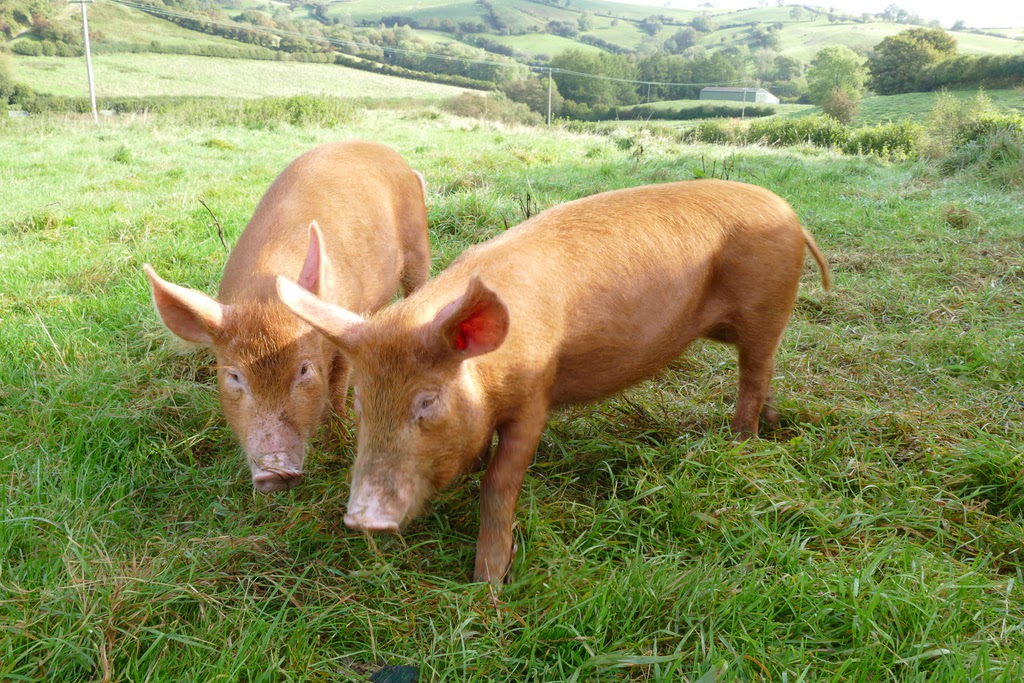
(752, 95)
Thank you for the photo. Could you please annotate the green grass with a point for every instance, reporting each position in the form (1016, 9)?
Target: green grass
(457, 10)
(535, 44)
(875, 536)
(918, 106)
(118, 24)
(803, 39)
(149, 75)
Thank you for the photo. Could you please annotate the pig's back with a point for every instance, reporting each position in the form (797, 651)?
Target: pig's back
(612, 287)
(359, 193)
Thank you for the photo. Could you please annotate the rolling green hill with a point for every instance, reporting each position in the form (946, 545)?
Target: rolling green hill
(522, 25)
(532, 31)
(149, 75)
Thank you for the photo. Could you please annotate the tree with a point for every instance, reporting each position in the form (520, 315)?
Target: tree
(566, 29)
(682, 39)
(533, 92)
(796, 13)
(703, 23)
(651, 25)
(586, 20)
(840, 106)
(595, 91)
(901, 62)
(764, 63)
(895, 13)
(960, 25)
(835, 67)
(787, 68)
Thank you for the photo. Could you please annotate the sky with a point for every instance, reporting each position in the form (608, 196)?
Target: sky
(977, 14)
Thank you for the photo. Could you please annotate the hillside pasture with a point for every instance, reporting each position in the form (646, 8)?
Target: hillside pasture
(113, 24)
(803, 39)
(874, 535)
(151, 75)
(918, 106)
(535, 44)
(422, 10)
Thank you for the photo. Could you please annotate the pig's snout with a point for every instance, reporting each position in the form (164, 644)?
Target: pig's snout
(275, 473)
(370, 513)
(268, 482)
(364, 519)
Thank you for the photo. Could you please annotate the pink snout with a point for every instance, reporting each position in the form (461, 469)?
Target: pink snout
(278, 471)
(365, 518)
(268, 482)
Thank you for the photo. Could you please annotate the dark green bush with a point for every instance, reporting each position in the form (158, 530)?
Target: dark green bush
(496, 107)
(298, 110)
(29, 48)
(267, 112)
(896, 141)
(986, 125)
(711, 132)
(998, 157)
(821, 131)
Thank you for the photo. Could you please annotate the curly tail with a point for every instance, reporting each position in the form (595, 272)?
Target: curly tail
(826, 277)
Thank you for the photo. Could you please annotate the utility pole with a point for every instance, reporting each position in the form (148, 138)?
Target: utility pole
(549, 96)
(88, 56)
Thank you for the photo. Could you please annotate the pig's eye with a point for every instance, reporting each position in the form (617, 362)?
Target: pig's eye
(234, 380)
(425, 407)
(306, 371)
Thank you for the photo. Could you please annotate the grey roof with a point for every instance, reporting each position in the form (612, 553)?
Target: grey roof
(718, 89)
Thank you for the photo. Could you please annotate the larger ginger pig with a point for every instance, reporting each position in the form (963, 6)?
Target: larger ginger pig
(575, 304)
(348, 220)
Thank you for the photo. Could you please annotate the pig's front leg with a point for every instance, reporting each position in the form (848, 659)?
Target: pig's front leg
(499, 491)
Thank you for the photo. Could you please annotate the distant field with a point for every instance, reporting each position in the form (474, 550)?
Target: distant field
(803, 40)
(456, 10)
(543, 44)
(974, 44)
(918, 105)
(783, 109)
(624, 34)
(147, 75)
(112, 23)
(873, 110)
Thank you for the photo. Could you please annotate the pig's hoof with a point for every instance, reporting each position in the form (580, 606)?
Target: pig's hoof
(484, 574)
(770, 416)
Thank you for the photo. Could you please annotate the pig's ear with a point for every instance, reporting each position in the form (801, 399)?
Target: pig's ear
(191, 315)
(340, 326)
(474, 324)
(314, 275)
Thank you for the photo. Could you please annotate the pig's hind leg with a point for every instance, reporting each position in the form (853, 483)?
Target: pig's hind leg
(757, 362)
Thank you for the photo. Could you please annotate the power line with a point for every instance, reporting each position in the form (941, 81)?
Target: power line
(165, 12)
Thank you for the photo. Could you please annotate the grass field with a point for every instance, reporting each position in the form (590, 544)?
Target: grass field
(148, 75)
(918, 106)
(876, 535)
(113, 23)
(544, 44)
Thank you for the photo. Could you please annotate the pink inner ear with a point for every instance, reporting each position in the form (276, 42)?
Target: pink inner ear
(462, 333)
(475, 331)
